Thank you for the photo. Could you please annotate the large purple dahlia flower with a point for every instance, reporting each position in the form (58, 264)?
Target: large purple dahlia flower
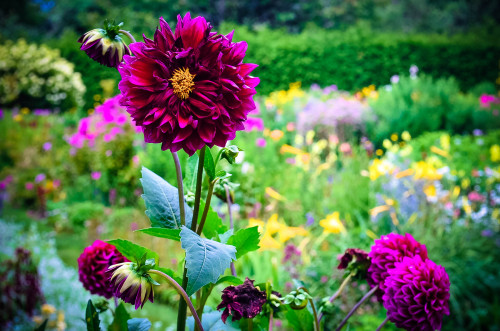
(93, 264)
(417, 294)
(105, 45)
(242, 301)
(388, 250)
(190, 88)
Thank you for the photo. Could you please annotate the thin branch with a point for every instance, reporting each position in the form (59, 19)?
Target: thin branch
(356, 306)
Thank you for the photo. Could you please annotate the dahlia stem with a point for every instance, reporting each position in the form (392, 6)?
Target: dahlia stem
(231, 225)
(315, 315)
(271, 321)
(183, 294)
(116, 301)
(197, 195)
(383, 323)
(182, 312)
(339, 291)
(180, 188)
(356, 306)
(207, 207)
(128, 34)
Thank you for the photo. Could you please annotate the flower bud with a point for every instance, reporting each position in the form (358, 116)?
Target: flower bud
(105, 45)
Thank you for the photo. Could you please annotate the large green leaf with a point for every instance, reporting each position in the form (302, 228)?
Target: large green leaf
(132, 251)
(162, 202)
(138, 324)
(245, 240)
(120, 319)
(162, 233)
(92, 317)
(300, 320)
(213, 224)
(231, 280)
(209, 164)
(206, 259)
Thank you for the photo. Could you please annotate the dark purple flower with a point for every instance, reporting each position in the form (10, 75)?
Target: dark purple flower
(190, 88)
(417, 294)
(131, 282)
(105, 45)
(388, 250)
(242, 301)
(93, 264)
(359, 256)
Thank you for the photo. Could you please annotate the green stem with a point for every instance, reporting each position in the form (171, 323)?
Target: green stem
(315, 315)
(207, 207)
(183, 294)
(231, 225)
(356, 306)
(128, 34)
(197, 197)
(383, 323)
(180, 188)
(339, 291)
(250, 324)
(182, 312)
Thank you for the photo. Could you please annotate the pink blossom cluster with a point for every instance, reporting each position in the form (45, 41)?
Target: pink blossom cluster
(109, 120)
(485, 100)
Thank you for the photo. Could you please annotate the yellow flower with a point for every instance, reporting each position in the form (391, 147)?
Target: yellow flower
(394, 137)
(332, 224)
(379, 209)
(379, 152)
(272, 225)
(380, 167)
(439, 151)
(275, 195)
(444, 140)
(48, 309)
(289, 232)
(25, 111)
(309, 137)
(456, 192)
(387, 144)
(405, 173)
(18, 118)
(406, 136)
(290, 149)
(430, 191)
(276, 135)
(425, 170)
(267, 242)
(495, 153)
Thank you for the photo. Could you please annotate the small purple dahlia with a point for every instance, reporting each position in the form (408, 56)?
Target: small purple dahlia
(356, 262)
(105, 45)
(242, 301)
(388, 250)
(93, 264)
(417, 294)
(131, 282)
(190, 88)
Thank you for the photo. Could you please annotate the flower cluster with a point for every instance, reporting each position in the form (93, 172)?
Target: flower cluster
(242, 301)
(93, 264)
(190, 88)
(108, 121)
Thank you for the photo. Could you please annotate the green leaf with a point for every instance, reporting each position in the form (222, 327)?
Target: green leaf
(230, 153)
(132, 251)
(162, 202)
(206, 259)
(209, 164)
(171, 273)
(162, 233)
(92, 317)
(231, 280)
(138, 324)
(120, 320)
(213, 224)
(300, 320)
(245, 240)
(224, 237)
(191, 173)
(42, 326)
(212, 322)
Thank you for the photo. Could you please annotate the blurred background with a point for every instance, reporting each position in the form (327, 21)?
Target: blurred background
(384, 113)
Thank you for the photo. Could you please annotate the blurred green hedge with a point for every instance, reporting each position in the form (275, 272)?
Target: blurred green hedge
(359, 57)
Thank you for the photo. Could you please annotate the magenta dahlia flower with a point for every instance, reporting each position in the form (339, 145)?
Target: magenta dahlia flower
(388, 250)
(242, 301)
(417, 294)
(190, 88)
(93, 264)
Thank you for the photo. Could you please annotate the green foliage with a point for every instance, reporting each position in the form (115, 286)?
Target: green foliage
(139, 324)
(300, 319)
(162, 202)
(424, 104)
(359, 57)
(38, 77)
(206, 259)
(173, 234)
(245, 240)
(92, 318)
(132, 251)
(120, 319)
(213, 223)
(79, 213)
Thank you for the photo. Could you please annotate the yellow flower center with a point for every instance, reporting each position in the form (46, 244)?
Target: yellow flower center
(182, 83)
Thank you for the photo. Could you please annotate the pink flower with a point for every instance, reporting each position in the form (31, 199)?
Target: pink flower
(29, 186)
(40, 178)
(47, 146)
(485, 100)
(345, 148)
(254, 123)
(476, 197)
(261, 142)
(290, 126)
(95, 175)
